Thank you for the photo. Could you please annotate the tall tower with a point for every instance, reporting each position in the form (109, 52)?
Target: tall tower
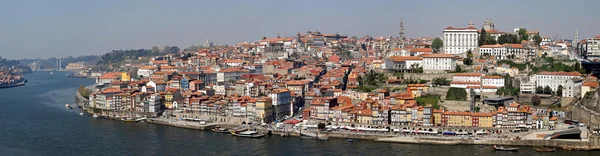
(402, 37)
(576, 39)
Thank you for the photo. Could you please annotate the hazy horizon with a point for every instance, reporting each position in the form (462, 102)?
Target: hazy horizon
(41, 29)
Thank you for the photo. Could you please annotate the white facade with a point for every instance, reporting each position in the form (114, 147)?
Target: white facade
(438, 62)
(467, 77)
(145, 72)
(495, 81)
(460, 40)
(593, 47)
(554, 79)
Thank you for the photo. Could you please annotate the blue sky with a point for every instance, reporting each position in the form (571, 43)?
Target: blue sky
(42, 28)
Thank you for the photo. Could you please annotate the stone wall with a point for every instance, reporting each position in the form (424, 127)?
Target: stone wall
(585, 115)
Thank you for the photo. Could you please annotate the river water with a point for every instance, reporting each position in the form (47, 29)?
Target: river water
(34, 121)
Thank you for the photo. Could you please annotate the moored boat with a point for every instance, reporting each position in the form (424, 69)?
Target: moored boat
(314, 135)
(248, 134)
(502, 148)
(95, 116)
(81, 113)
(220, 130)
(129, 120)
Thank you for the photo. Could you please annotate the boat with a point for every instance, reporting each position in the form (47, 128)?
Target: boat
(67, 105)
(502, 148)
(248, 134)
(220, 130)
(95, 116)
(238, 130)
(81, 113)
(51, 73)
(129, 120)
(350, 140)
(544, 149)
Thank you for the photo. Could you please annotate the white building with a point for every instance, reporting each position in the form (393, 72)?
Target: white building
(402, 63)
(460, 40)
(554, 79)
(496, 81)
(282, 103)
(503, 51)
(593, 48)
(467, 77)
(146, 71)
(438, 62)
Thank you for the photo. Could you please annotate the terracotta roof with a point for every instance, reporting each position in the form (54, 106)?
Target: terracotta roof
(493, 77)
(413, 50)
(464, 82)
(437, 55)
(561, 73)
(467, 28)
(491, 46)
(404, 58)
(468, 74)
(592, 84)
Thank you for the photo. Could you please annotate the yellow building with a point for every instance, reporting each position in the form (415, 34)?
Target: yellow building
(457, 119)
(588, 86)
(125, 76)
(364, 116)
(417, 89)
(483, 120)
(437, 117)
(264, 110)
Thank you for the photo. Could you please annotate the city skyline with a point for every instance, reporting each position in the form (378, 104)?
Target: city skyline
(39, 29)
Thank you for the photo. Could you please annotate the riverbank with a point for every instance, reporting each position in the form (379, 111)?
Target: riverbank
(566, 144)
(14, 85)
(592, 143)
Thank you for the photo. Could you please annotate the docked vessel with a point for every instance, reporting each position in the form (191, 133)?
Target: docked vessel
(502, 148)
(81, 113)
(220, 130)
(248, 134)
(95, 116)
(129, 120)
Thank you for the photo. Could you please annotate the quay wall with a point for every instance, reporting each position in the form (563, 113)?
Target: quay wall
(585, 115)
(592, 144)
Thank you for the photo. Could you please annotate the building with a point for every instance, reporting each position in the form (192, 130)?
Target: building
(146, 71)
(264, 110)
(554, 79)
(505, 51)
(403, 63)
(593, 48)
(282, 103)
(460, 40)
(589, 86)
(433, 63)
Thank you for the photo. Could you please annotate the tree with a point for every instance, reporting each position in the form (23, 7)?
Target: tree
(539, 90)
(321, 125)
(482, 36)
(522, 35)
(469, 53)
(536, 100)
(456, 94)
(489, 39)
(547, 90)
(559, 91)
(437, 45)
(508, 38)
(467, 61)
(458, 69)
(537, 39)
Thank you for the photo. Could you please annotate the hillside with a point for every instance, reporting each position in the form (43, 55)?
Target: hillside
(13, 66)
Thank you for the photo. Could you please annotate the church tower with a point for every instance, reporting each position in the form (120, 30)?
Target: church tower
(402, 37)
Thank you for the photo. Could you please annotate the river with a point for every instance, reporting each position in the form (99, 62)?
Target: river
(34, 121)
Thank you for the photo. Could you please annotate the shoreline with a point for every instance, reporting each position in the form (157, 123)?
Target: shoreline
(22, 83)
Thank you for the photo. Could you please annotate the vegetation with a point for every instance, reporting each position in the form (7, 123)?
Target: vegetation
(508, 38)
(482, 36)
(523, 35)
(458, 69)
(371, 81)
(537, 39)
(559, 90)
(84, 91)
(536, 100)
(437, 44)
(429, 99)
(556, 66)
(459, 94)
(507, 91)
(321, 125)
(117, 56)
(520, 66)
(469, 60)
(440, 81)
(547, 90)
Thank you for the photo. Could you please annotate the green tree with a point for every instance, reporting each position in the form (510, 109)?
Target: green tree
(539, 90)
(456, 94)
(437, 45)
(537, 39)
(559, 90)
(482, 36)
(547, 90)
(536, 100)
(489, 39)
(522, 35)
(467, 61)
(321, 125)
(458, 69)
